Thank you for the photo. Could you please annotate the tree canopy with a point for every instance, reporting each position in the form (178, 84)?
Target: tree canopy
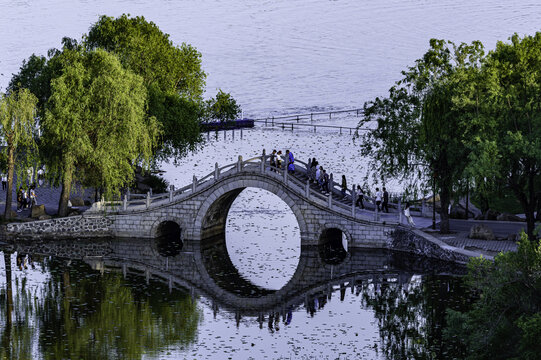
(17, 126)
(508, 130)
(172, 75)
(416, 132)
(96, 121)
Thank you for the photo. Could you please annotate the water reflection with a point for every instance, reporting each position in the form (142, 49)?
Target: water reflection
(123, 299)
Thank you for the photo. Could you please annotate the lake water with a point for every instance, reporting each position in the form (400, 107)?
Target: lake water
(281, 56)
(122, 299)
(275, 57)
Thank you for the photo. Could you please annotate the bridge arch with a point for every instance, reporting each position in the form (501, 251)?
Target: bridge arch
(168, 234)
(211, 217)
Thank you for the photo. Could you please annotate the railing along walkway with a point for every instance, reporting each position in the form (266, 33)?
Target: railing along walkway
(297, 182)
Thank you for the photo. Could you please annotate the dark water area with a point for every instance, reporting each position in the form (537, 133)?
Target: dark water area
(131, 299)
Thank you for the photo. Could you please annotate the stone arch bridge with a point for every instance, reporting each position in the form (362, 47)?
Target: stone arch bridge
(199, 211)
(201, 208)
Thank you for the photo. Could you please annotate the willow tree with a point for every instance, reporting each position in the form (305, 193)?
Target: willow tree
(17, 125)
(417, 131)
(96, 121)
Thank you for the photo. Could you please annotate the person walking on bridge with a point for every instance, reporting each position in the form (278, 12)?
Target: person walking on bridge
(378, 198)
(343, 187)
(273, 160)
(385, 204)
(279, 159)
(290, 160)
(313, 170)
(360, 196)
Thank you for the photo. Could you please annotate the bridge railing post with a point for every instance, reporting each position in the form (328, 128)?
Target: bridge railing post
(125, 202)
(171, 191)
(399, 211)
(128, 194)
(285, 173)
(353, 200)
(148, 199)
(194, 184)
(376, 215)
(263, 161)
(329, 202)
(239, 164)
(216, 172)
(307, 189)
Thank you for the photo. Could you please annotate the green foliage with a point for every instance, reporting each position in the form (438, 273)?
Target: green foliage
(172, 75)
(509, 146)
(417, 133)
(505, 322)
(223, 108)
(143, 48)
(17, 126)
(157, 183)
(96, 120)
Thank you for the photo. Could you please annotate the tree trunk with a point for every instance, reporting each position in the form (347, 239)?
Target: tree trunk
(538, 208)
(528, 201)
(531, 205)
(66, 188)
(9, 190)
(445, 198)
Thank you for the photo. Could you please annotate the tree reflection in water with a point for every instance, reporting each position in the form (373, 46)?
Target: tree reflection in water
(82, 313)
(411, 317)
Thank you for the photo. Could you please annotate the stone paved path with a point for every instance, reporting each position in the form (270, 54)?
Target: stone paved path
(46, 195)
(488, 247)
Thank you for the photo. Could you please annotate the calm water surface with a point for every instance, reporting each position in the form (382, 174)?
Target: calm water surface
(123, 300)
(283, 56)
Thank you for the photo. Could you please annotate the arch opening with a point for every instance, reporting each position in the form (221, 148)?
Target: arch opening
(168, 239)
(333, 246)
(258, 236)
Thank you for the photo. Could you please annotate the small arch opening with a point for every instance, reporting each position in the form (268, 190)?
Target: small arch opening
(168, 239)
(333, 246)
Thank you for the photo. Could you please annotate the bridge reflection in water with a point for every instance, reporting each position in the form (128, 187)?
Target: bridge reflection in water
(204, 269)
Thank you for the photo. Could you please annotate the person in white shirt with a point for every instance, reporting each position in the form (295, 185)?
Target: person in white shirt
(378, 198)
(408, 214)
(4, 181)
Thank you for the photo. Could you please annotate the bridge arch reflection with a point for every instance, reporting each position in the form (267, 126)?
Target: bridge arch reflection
(200, 271)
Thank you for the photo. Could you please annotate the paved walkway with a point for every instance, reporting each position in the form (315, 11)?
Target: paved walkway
(46, 195)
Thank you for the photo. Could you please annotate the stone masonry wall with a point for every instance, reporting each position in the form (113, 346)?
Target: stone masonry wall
(72, 226)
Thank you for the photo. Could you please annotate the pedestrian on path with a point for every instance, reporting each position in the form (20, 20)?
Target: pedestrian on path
(20, 199)
(273, 160)
(408, 214)
(360, 196)
(326, 181)
(279, 159)
(290, 160)
(343, 187)
(41, 176)
(33, 197)
(378, 198)
(4, 181)
(385, 205)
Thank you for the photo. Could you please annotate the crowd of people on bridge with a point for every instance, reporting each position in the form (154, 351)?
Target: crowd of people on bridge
(318, 175)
